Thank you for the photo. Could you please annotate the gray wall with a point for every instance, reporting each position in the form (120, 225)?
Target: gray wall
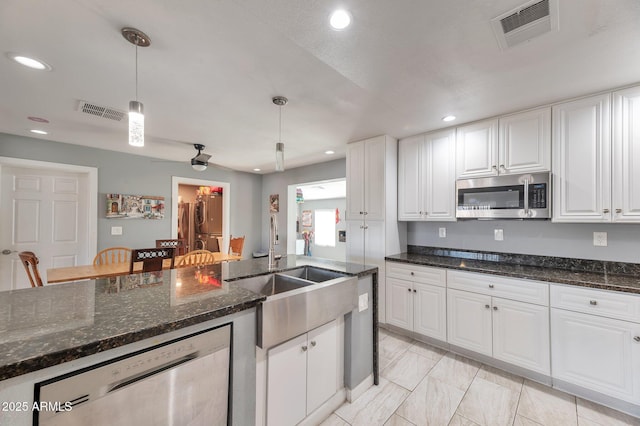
(278, 183)
(339, 252)
(132, 174)
(542, 238)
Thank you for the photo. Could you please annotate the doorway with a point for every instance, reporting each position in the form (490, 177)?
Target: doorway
(49, 209)
(316, 217)
(184, 189)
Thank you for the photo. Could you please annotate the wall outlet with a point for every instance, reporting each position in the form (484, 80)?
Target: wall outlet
(498, 234)
(116, 230)
(363, 302)
(442, 232)
(600, 239)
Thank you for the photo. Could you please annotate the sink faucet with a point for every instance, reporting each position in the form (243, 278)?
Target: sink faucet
(273, 239)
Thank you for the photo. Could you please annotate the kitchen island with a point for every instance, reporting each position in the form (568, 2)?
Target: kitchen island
(54, 330)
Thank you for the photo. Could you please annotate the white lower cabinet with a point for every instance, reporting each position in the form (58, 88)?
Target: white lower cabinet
(514, 331)
(416, 299)
(301, 375)
(592, 350)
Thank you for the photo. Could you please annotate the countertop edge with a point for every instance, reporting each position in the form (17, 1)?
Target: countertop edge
(517, 274)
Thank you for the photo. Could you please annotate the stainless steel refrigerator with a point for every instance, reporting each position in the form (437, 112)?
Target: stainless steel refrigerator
(186, 230)
(208, 222)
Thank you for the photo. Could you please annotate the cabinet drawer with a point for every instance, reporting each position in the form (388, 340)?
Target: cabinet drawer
(604, 303)
(508, 288)
(417, 273)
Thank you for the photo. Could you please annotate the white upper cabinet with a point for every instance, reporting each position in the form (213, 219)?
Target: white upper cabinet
(581, 160)
(366, 179)
(516, 143)
(426, 177)
(477, 149)
(525, 142)
(626, 155)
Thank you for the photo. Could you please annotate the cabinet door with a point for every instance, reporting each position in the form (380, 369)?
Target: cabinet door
(355, 241)
(322, 365)
(430, 311)
(596, 353)
(521, 334)
(355, 181)
(626, 155)
(374, 178)
(287, 382)
(524, 142)
(438, 166)
(410, 188)
(581, 160)
(477, 149)
(469, 321)
(399, 303)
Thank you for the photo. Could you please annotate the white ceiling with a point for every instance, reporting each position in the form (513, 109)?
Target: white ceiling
(214, 65)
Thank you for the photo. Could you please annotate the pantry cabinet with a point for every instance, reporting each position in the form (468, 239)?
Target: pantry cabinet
(426, 177)
(301, 375)
(505, 318)
(365, 179)
(512, 144)
(595, 340)
(416, 299)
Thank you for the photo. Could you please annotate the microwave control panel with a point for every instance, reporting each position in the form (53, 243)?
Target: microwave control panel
(538, 196)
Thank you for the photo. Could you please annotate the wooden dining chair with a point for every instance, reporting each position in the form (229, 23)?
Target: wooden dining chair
(179, 244)
(152, 258)
(30, 262)
(196, 258)
(236, 245)
(113, 255)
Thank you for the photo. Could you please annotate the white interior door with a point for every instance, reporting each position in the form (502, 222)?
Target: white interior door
(50, 211)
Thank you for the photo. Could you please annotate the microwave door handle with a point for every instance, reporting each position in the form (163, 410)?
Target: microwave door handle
(526, 197)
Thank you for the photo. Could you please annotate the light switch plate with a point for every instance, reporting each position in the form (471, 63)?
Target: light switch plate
(363, 302)
(498, 234)
(442, 232)
(116, 230)
(600, 239)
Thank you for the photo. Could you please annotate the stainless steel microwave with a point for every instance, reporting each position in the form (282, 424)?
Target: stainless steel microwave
(524, 196)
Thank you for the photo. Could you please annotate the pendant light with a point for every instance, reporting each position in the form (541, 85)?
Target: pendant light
(136, 109)
(280, 101)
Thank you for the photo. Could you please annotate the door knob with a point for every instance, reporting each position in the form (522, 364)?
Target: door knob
(495, 308)
(7, 251)
(304, 348)
(313, 343)
(487, 306)
(637, 338)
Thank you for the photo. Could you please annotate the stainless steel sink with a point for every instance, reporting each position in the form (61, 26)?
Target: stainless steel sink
(299, 300)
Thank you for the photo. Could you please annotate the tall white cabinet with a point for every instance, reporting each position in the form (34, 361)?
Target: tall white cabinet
(373, 230)
(626, 155)
(426, 177)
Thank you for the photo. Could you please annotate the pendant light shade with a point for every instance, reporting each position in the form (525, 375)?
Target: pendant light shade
(136, 109)
(280, 101)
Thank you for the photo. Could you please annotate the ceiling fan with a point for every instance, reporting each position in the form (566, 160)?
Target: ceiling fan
(200, 161)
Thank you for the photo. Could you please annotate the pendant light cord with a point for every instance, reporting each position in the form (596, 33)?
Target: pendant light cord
(136, 70)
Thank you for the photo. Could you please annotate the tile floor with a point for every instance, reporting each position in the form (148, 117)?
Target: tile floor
(423, 385)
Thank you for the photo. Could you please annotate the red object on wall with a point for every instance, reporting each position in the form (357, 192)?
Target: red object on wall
(337, 216)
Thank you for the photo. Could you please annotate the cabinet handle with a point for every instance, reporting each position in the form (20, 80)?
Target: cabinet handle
(366, 227)
(366, 213)
(412, 273)
(313, 343)
(495, 308)
(304, 348)
(605, 211)
(487, 306)
(637, 338)
(494, 167)
(415, 291)
(409, 290)
(593, 302)
(490, 285)
(361, 212)
(618, 210)
(361, 226)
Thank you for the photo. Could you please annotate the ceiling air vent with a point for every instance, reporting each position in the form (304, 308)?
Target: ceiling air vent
(525, 22)
(101, 111)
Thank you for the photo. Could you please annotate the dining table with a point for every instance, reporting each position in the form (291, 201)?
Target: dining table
(89, 272)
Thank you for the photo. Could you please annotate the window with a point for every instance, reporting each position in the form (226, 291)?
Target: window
(325, 228)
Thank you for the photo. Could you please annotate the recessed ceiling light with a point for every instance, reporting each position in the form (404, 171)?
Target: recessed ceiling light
(38, 119)
(340, 19)
(449, 118)
(38, 132)
(329, 152)
(256, 169)
(36, 64)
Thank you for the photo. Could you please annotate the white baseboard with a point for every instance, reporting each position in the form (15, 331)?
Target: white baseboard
(356, 392)
(325, 409)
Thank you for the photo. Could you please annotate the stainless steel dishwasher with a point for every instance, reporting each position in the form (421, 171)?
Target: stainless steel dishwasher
(181, 382)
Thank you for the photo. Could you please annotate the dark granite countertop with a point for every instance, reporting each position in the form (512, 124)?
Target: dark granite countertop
(614, 276)
(45, 326)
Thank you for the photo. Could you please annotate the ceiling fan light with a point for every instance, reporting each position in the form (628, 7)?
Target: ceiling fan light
(136, 124)
(279, 157)
(198, 167)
